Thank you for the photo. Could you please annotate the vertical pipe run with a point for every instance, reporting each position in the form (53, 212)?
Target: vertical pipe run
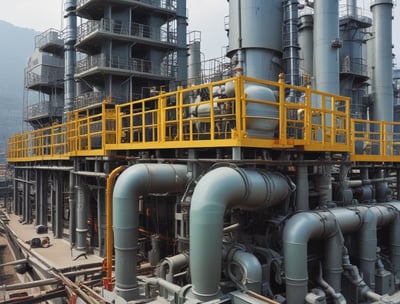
(59, 204)
(134, 182)
(306, 226)
(368, 243)
(395, 241)
(305, 37)
(219, 189)
(301, 228)
(181, 43)
(70, 54)
(332, 266)
(72, 206)
(109, 215)
(194, 63)
(302, 188)
(290, 42)
(16, 208)
(81, 217)
(38, 196)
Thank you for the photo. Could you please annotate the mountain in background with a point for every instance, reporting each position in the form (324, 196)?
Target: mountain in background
(16, 47)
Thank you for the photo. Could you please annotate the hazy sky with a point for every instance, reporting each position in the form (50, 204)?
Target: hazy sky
(204, 15)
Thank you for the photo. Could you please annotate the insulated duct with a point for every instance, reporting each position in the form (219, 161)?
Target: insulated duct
(222, 188)
(134, 182)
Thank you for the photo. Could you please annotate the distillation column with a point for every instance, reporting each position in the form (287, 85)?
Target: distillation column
(255, 37)
(382, 103)
(70, 55)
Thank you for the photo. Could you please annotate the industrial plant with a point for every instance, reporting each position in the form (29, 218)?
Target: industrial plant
(150, 175)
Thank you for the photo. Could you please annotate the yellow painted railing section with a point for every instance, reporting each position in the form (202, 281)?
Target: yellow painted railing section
(44, 144)
(221, 114)
(91, 130)
(375, 141)
(221, 118)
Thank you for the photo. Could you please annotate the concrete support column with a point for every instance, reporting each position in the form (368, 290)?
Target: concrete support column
(59, 205)
(72, 207)
(101, 219)
(38, 196)
(16, 205)
(81, 217)
(27, 210)
(41, 197)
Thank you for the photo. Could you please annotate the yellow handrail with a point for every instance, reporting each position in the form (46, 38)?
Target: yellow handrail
(226, 115)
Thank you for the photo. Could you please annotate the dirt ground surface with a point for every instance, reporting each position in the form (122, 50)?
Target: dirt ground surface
(7, 273)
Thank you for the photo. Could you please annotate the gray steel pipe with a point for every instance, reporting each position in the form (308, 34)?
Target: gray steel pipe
(395, 240)
(222, 188)
(171, 265)
(367, 247)
(305, 226)
(382, 107)
(250, 268)
(302, 202)
(134, 182)
(70, 36)
(326, 45)
(332, 266)
(301, 228)
(81, 218)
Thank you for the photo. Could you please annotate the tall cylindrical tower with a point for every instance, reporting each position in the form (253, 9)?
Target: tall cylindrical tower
(306, 44)
(194, 60)
(255, 37)
(382, 101)
(326, 45)
(70, 55)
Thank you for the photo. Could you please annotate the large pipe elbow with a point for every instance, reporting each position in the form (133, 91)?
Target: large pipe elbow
(395, 240)
(222, 188)
(246, 269)
(299, 229)
(135, 181)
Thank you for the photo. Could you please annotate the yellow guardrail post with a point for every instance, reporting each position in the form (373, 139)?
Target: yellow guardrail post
(212, 114)
(240, 100)
(383, 139)
(282, 111)
(180, 112)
